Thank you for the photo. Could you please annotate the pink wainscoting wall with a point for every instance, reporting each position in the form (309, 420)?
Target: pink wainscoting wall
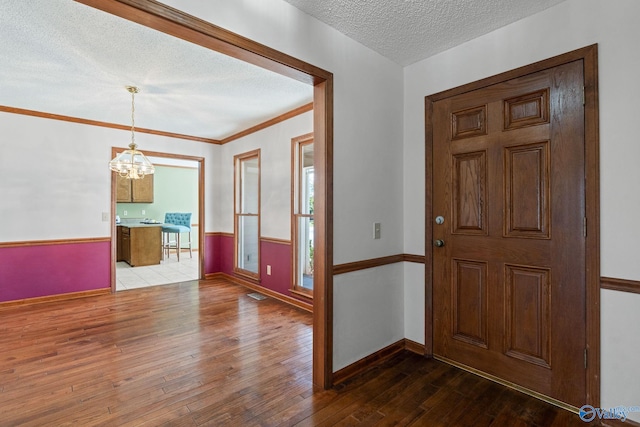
(212, 251)
(277, 254)
(219, 250)
(53, 269)
(227, 246)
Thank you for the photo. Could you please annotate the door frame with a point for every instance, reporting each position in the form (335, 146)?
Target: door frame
(201, 218)
(589, 56)
(174, 22)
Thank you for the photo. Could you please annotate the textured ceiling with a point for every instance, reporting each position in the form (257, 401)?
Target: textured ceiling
(407, 31)
(62, 57)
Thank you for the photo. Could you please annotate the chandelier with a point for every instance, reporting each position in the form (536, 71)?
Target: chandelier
(131, 163)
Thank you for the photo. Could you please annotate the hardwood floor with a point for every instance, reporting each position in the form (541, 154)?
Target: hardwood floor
(206, 354)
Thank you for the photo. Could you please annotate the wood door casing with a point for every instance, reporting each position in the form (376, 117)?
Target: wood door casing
(509, 178)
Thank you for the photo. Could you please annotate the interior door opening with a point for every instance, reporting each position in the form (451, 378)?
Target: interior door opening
(186, 27)
(164, 267)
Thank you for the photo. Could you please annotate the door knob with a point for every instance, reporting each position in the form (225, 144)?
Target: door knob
(438, 243)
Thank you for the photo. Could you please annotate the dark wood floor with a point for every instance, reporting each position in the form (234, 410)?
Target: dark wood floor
(206, 354)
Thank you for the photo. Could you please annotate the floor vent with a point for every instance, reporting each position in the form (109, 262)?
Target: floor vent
(256, 296)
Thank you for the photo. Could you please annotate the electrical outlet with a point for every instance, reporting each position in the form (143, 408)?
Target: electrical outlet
(105, 216)
(143, 212)
(124, 213)
(268, 270)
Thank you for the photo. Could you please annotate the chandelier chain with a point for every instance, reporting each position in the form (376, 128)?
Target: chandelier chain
(133, 109)
(131, 163)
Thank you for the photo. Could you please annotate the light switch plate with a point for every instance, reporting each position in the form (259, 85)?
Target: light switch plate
(376, 230)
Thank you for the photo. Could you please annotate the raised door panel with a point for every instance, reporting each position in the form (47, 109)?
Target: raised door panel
(469, 302)
(528, 303)
(527, 213)
(469, 122)
(527, 110)
(469, 193)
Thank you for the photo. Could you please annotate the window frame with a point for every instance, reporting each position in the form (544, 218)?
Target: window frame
(237, 210)
(297, 145)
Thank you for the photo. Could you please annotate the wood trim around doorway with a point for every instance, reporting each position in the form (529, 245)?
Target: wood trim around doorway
(201, 219)
(168, 20)
(620, 285)
(589, 56)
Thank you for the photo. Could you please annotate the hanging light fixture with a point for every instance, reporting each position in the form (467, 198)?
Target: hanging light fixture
(131, 163)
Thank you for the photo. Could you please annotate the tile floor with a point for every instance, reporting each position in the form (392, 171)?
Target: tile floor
(168, 271)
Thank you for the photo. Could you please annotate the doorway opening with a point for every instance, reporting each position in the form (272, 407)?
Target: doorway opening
(179, 24)
(168, 270)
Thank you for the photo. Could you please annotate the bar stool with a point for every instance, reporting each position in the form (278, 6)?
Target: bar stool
(175, 223)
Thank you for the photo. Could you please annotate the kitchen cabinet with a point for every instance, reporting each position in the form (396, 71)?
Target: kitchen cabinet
(134, 190)
(139, 245)
(119, 256)
(126, 245)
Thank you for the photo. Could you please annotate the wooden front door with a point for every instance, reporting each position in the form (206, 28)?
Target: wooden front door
(509, 185)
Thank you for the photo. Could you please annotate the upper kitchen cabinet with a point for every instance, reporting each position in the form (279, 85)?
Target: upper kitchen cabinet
(134, 190)
(123, 189)
(142, 189)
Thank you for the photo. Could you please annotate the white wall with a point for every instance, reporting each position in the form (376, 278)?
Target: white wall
(414, 302)
(356, 296)
(368, 116)
(565, 27)
(275, 180)
(367, 149)
(55, 180)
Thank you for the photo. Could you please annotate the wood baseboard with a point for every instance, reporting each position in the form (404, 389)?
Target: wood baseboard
(275, 295)
(415, 347)
(59, 297)
(377, 358)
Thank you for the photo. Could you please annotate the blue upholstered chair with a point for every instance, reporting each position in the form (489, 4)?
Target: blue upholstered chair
(175, 223)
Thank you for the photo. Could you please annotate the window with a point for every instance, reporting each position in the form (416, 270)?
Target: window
(302, 214)
(247, 213)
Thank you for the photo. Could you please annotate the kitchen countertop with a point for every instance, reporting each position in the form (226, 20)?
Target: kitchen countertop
(137, 225)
